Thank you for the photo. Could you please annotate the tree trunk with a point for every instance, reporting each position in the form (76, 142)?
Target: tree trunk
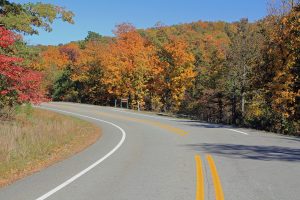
(233, 109)
(220, 107)
(243, 90)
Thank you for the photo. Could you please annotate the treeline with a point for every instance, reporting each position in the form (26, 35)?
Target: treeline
(19, 82)
(235, 73)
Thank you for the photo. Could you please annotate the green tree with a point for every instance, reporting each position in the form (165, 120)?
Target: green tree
(26, 18)
(64, 88)
(93, 36)
(244, 53)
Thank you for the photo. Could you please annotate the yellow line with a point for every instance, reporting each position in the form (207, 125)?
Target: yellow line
(200, 179)
(216, 180)
(144, 121)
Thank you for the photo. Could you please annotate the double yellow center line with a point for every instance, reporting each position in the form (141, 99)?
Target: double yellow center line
(199, 171)
(219, 195)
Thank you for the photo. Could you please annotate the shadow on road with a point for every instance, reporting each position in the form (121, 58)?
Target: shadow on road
(201, 124)
(291, 138)
(265, 153)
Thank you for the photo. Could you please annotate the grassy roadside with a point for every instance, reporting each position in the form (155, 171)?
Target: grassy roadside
(38, 138)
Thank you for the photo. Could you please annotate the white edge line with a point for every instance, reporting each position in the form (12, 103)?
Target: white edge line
(123, 111)
(238, 131)
(67, 182)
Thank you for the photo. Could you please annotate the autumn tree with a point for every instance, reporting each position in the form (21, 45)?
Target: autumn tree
(128, 65)
(211, 74)
(89, 71)
(285, 46)
(178, 72)
(19, 80)
(281, 72)
(17, 83)
(26, 18)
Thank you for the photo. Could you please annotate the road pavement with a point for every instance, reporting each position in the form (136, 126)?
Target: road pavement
(143, 156)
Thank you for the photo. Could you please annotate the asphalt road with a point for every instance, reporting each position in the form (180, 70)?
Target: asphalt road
(141, 157)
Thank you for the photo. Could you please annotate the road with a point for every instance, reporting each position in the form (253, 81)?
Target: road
(141, 157)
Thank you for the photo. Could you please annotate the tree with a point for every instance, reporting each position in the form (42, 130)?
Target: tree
(88, 72)
(128, 65)
(285, 45)
(283, 63)
(244, 53)
(93, 36)
(64, 89)
(18, 84)
(25, 18)
(280, 8)
(178, 72)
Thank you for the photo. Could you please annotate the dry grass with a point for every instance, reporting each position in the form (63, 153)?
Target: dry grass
(37, 139)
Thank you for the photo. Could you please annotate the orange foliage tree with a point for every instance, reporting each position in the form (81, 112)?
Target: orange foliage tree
(178, 72)
(128, 65)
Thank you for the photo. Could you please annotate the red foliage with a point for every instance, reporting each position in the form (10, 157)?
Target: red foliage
(16, 81)
(6, 37)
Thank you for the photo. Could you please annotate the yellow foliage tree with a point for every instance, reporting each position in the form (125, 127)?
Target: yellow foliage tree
(128, 65)
(284, 46)
(178, 71)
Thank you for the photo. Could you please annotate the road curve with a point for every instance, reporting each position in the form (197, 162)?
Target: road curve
(141, 157)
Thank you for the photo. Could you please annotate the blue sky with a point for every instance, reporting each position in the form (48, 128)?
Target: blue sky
(102, 15)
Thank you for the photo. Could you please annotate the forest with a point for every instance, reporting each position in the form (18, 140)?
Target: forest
(241, 73)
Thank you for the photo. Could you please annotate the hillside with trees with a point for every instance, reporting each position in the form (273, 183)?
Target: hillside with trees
(242, 73)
